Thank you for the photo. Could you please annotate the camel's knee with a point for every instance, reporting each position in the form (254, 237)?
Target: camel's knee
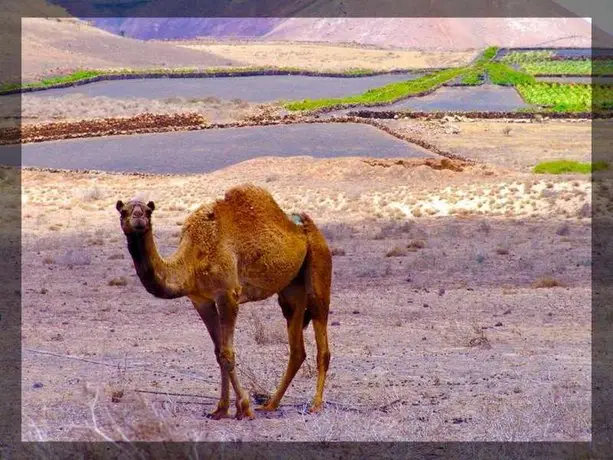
(226, 359)
(218, 355)
(299, 356)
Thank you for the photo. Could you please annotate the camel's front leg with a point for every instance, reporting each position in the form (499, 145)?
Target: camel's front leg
(228, 310)
(210, 317)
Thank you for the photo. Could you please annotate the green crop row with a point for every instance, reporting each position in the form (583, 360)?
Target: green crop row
(520, 57)
(569, 67)
(384, 94)
(568, 97)
(81, 75)
(569, 166)
(502, 74)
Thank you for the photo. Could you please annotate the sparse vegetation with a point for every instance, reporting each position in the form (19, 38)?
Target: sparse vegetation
(416, 244)
(569, 167)
(396, 252)
(521, 57)
(121, 281)
(502, 74)
(384, 94)
(87, 74)
(547, 282)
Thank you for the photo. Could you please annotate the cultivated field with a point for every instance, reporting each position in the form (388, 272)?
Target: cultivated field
(319, 56)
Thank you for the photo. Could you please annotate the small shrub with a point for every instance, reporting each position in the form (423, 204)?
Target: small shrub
(264, 333)
(48, 261)
(506, 130)
(502, 251)
(547, 282)
(121, 281)
(396, 252)
(568, 166)
(337, 252)
(416, 244)
(72, 257)
(91, 194)
(484, 226)
(116, 256)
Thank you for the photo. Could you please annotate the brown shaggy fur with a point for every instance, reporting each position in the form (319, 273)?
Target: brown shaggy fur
(241, 249)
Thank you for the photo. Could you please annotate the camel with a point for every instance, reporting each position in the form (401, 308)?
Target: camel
(240, 249)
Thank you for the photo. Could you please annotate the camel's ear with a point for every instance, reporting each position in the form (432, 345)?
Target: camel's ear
(119, 205)
(151, 205)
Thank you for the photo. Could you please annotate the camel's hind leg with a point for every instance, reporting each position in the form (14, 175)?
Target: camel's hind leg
(293, 303)
(318, 281)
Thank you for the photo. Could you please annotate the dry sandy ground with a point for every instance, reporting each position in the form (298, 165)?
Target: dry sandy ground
(76, 107)
(330, 57)
(516, 144)
(438, 328)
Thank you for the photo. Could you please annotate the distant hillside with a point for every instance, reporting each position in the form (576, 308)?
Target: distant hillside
(421, 33)
(439, 33)
(182, 28)
(51, 46)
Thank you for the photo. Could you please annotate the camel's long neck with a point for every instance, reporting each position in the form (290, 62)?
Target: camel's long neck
(164, 279)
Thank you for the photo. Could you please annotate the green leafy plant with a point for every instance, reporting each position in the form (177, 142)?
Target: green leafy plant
(561, 97)
(502, 74)
(568, 166)
(384, 94)
(520, 57)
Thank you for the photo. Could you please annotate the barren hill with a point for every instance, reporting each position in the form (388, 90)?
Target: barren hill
(418, 33)
(439, 33)
(53, 45)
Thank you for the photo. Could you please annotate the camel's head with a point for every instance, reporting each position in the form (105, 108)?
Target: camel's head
(135, 216)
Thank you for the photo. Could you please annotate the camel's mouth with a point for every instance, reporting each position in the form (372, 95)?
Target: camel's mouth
(138, 225)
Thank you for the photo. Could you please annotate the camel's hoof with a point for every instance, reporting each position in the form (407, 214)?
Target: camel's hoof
(315, 408)
(246, 414)
(218, 414)
(243, 410)
(267, 407)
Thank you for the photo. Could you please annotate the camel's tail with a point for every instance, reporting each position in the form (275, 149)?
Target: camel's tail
(318, 272)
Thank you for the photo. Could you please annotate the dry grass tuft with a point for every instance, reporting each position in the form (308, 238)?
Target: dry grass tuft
(547, 282)
(121, 281)
(264, 333)
(416, 244)
(337, 252)
(480, 340)
(396, 252)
